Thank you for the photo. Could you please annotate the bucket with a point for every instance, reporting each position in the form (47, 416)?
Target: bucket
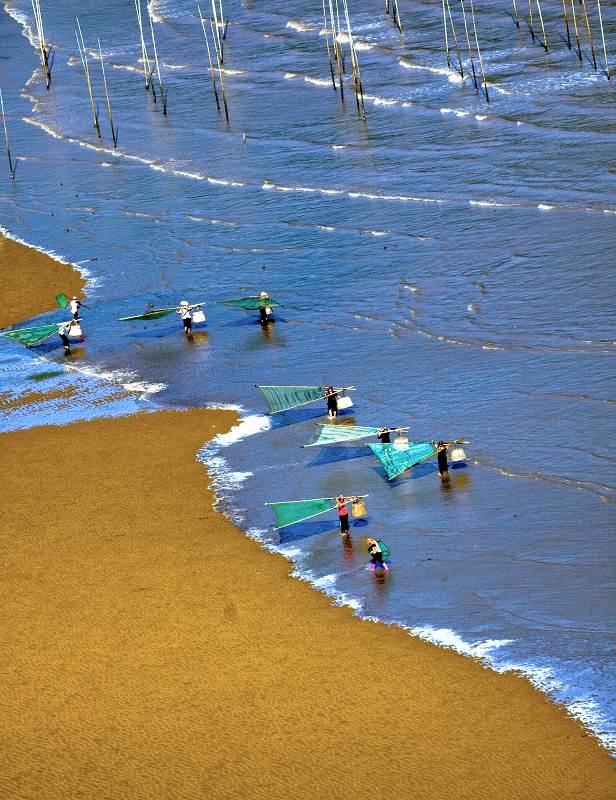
(358, 508)
(198, 316)
(457, 454)
(268, 310)
(74, 332)
(345, 402)
(401, 443)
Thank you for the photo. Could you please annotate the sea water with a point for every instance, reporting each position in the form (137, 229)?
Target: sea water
(450, 258)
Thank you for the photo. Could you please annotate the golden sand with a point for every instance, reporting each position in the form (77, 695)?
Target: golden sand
(151, 651)
(29, 282)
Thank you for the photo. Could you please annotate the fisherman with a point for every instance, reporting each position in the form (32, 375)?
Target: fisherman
(263, 310)
(376, 555)
(75, 306)
(63, 329)
(185, 313)
(343, 515)
(383, 435)
(441, 456)
(332, 402)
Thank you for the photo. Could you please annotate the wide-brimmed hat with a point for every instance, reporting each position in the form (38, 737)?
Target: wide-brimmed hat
(263, 294)
(184, 303)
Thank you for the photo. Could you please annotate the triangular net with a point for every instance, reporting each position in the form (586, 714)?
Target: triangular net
(395, 461)
(251, 303)
(282, 398)
(292, 511)
(331, 434)
(31, 336)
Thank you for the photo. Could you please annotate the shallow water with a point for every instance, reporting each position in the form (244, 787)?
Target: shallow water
(451, 258)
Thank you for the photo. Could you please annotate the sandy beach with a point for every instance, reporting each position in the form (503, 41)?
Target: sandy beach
(30, 280)
(151, 650)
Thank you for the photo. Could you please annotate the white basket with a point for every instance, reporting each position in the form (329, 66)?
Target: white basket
(74, 331)
(401, 443)
(457, 454)
(268, 309)
(198, 316)
(345, 402)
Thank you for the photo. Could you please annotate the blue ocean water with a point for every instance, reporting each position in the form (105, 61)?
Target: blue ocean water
(450, 258)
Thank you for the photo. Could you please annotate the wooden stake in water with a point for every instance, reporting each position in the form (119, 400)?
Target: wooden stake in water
(217, 34)
(109, 112)
(86, 72)
(209, 58)
(455, 40)
(468, 44)
(163, 93)
(223, 24)
(530, 19)
(483, 75)
(607, 65)
(357, 84)
(45, 53)
(329, 53)
(515, 14)
(6, 138)
(222, 83)
(147, 73)
(589, 32)
(337, 51)
(575, 28)
(544, 44)
(446, 35)
(566, 16)
(396, 15)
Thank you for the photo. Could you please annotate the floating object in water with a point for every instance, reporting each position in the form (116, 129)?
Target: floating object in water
(291, 511)
(253, 303)
(395, 461)
(283, 398)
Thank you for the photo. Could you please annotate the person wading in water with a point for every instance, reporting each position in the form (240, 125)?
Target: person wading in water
(343, 515)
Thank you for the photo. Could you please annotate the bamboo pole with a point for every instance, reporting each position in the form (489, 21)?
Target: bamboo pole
(86, 72)
(446, 36)
(222, 83)
(455, 40)
(217, 31)
(329, 54)
(397, 19)
(224, 24)
(515, 13)
(109, 112)
(337, 53)
(607, 65)
(163, 93)
(483, 75)
(357, 84)
(6, 139)
(468, 44)
(530, 19)
(575, 27)
(566, 16)
(544, 44)
(144, 53)
(38, 19)
(209, 58)
(589, 32)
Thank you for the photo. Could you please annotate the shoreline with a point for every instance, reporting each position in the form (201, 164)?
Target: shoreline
(154, 650)
(31, 279)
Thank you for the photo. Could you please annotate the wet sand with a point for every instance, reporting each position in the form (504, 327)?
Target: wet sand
(151, 650)
(30, 281)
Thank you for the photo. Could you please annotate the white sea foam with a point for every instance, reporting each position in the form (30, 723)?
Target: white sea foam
(316, 81)
(343, 38)
(291, 75)
(481, 117)
(448, 638)
(247, 426)
(127, 380)
(487, 203)
(26, 23)
(302, 27)
(452, 77)
(339, 146)
(544, 207)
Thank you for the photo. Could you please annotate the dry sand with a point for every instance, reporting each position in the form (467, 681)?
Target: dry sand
(150, 650)
(29, 282)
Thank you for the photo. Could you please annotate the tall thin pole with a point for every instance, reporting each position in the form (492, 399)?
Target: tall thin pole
(545, 38)
(86, 71)
(589, 32)
(144, 53)
(38, 19)
(337, 53)
(6, 138)
(163, 93)
(515, 13)
(575, 27)
(209, 58)
(222, 83)
(109, 112)
(446, 36)
(329, 54)
(483, 76)
(607, 65)
(468, 43)
(566, 16)
(217, 31)
(530, 19)
(455, 39)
